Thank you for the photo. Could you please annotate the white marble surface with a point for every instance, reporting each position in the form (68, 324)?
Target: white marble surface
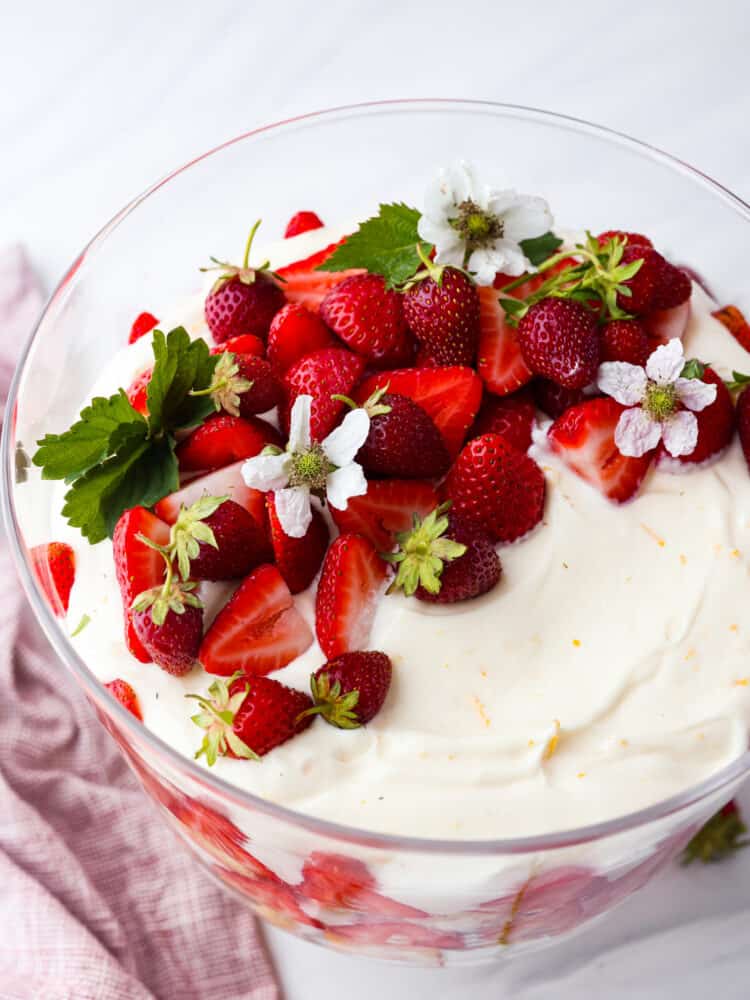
(98, 100)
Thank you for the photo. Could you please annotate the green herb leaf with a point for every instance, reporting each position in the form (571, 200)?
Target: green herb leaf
(539, 248)
(385, 244)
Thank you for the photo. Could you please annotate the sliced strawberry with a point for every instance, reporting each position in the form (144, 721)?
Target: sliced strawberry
(322, 374)
(137, 392)
(387, 508)
(222, 440)
(142, 324)
(54, 566)
(274, 899)
(450, 395)
(350, 584)
(302, 222)
(584, 437)
(258, 630)
(298, 559)
(245, 343)
(340, 883)
(137, 566)
(500, 363)
(127, 697)
(732, 318)
(666, 324)
(303, 283)
(224, 482)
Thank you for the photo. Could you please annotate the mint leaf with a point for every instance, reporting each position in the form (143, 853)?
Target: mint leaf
(181, 364)
(539, 248)
(385, 244)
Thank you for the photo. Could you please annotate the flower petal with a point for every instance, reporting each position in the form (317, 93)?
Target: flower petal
(528, 217)
(503, 256)
(293, 510)
(666, 362)
(636, 433)
(622, 381)
(694, 394)
(343, 443)
(299, 425)
(438, 232)
(267, 472)
(346, 482)
(680, 433)
(463, 184)
(450, 256)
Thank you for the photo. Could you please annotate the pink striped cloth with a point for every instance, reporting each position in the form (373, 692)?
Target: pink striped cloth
(97, 900)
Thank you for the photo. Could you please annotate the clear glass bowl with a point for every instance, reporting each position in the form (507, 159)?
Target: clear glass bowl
(418, 901)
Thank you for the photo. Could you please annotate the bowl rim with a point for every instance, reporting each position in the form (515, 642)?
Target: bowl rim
(135, 730)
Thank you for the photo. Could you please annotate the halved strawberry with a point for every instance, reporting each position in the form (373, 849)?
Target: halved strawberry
(222, 440)
(450, 395)
(137, 391)
(500, 362)
(259, 629)
(302, 283)
(322, 374)
(341, 883)
(298, 559)
(386, 508)
(350, 584)
(302, 222)
(127, 697)
(142, 324)
(244, 343)
(137, 566)
(733, 319)
(54, 565)
(223, 482)
(584, 437)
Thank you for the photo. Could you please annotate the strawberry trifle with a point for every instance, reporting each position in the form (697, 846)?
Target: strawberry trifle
(436, 525)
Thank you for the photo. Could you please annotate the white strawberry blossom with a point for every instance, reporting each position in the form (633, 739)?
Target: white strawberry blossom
(654, 396)
(306, 467)
(479, 228)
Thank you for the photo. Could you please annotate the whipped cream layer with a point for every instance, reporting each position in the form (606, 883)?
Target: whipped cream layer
(608, 670)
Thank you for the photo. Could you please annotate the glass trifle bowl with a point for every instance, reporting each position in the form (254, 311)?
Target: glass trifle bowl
(400, 897)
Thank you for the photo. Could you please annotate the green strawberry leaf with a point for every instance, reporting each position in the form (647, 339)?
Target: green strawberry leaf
(539, 248)
(181, 364)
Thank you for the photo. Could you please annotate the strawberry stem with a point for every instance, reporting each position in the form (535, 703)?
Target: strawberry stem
(251, 237)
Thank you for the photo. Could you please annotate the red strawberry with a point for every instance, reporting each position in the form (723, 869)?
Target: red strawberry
(228, 482)
(340, 883)
(369, 318)
(500, 361)
(673, 287)
(663, 325)
(715, 424)
(249, 716)
(271, 898)
(321, 375)
(731, 317)
(304, 283)
(54, 565)
(265, 392)
(126, 696)
(625, 340)
(403, 441)
(142, 324)
(644, 282)
(349, 587)
(137, 392)
(584, 437)
(302, 222)
(242, 545)
(174, 644)
(137, 567)
(298, 559)
(497, 486)
(443, 314)
(743, 423)
(258, 630)
(633, 239)
(387, 508)
(350, 689)
(554, 399)
(474, 573)
(224, 439)
(559, 339)
(512, 417)
(295, 332)
(245, 343)
(451, 396)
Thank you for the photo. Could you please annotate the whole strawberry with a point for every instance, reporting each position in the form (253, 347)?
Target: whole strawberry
(239, 543)
(295, 331)
(403, 441)
(243, 299)
(512, 417)
(742, 411)
(349, 690)
(559, 339)
(625, 340)
(442, 310)
(643, 284)
(247, 717)
(245, 385)
(323, 375)
(715, 424)
(673, 287)
(369, 318)
(497, 486)
(173, 642)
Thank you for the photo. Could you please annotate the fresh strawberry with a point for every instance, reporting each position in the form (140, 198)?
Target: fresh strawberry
(349, 587)
(500, 361)
(241, 545)
(137, 391)
(584, 437)
(559, 339)
(633, 239)
(227, 482)
(54, 565)
(442, 311)
(451, 396)
(715, 424)
(265, 392)
(403, 440)
(743, 423)
(273, 899)
(298, 559)
(644, 283)
(295, 332)
(731, 317)
(245, 343)
(322, 374)
(512, 417)
(554, 399)
(142, 324)
(337, 882)
(304, 283)
(663, 325)
(349, 690)
(137, 567)
(474, 573)
(258, 630)
(302, 222)
(673, 287)
(247, 717)
(224, 439)
(388, 507)
(625, 340)
(127, 697)
(173, 645)
(369, 318)
(497, 486)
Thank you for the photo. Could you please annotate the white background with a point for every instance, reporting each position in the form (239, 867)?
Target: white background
(97, 100)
